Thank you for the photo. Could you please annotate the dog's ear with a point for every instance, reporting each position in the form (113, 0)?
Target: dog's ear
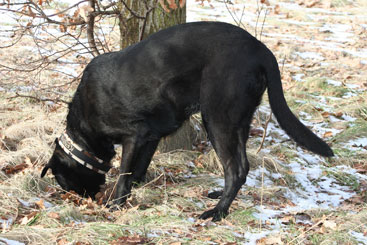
(49, 164)
(44, 170)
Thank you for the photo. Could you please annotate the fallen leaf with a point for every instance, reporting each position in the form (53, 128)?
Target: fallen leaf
(329, 224)
(28, 218)
(62, 241)
(130, 240)
(63, 28)
(40, 204)
(256, 132)
(15, 169)
(286, 220)
(327, 134)
(277, 9)
(53, 215)
(82, 243)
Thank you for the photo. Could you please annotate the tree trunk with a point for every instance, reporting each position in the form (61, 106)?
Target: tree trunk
(138, 20)
(141, 18)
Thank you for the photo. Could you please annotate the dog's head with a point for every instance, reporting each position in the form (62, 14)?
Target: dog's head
(70, 175)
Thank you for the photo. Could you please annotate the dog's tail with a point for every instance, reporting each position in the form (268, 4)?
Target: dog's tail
(286, 119)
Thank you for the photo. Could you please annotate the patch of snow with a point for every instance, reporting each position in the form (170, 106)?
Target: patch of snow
(199, 204)
(10, 242)
(253, 237)
(295, 6)
(220, 182)
(191, 219)
(322, 128)
(303, 114)
(302, 102)
(309, 158)
(327, 194)
(334, 119)
(153, 234)
(324, 63)
(190, 164)
(334, 83)
(266, 214)
(296, 22)
(6, 223)
(333, 46)
(251, 180)
(298, 77)
(349, 95)
(310, 55)
(22, 89)
(24, 203)
(69, 70)
(339, 32)
(360, 237)
(349, 118)
(351, 86)
(360, 143)
(351, 171)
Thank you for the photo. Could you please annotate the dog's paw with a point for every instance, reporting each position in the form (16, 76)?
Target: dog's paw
(215, 214)
(113, 207)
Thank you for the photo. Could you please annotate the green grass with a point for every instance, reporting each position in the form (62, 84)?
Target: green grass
(344, 179)
(356, 129)
(242, 217)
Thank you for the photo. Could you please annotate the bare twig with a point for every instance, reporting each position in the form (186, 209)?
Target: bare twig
(90, 30)
(131, 11)
(264, 134)
(262, 26)
(17, 95)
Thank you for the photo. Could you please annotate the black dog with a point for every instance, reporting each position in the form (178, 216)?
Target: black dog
(139, 95)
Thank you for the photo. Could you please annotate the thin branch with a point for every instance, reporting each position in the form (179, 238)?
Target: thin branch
(64, 10)
(144, 24)
(90, 31)
(262, 26)
(264, 134)
(17, 95)
(131, 11)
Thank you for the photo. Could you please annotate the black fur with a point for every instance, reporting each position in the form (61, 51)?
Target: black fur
(139, 95)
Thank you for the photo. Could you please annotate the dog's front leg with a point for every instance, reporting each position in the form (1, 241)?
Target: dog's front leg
(124, 183)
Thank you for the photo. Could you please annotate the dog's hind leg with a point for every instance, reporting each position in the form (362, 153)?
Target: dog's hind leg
(229, 143)
(227, 109)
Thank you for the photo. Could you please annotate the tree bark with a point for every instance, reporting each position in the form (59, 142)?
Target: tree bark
(141, 18)
(138, 20)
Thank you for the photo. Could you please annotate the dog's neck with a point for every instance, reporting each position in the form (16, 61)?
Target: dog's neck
(83, 136)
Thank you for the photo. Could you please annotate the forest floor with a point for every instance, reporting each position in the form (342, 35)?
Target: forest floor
(291, 196)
